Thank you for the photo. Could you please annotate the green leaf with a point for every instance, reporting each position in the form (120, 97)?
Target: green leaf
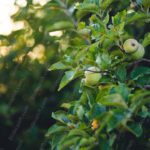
(60, 116)
(58, 66)
(56, 129)
(146, 3)
(121, 73)
(139, 71)
(85, 9)
(144, 112)
(104, 143)
(90, 96)
(87, 142)
(96, 110)
(115, 119)
(123, 90)
(115, 100)
(103, 60)
(106, 19)
(104, 119)
(78, 132)
(104, 90)
(68, 77)
(80, 111)
(135, 128)
(139, 99)
(105, 4)
(119, 18)
(68, 142)
(56, 138)
(61, 25)
(90, 7)
(91, 1)
(136, 17)
(66, 105)
(143, 80)
(146, 40)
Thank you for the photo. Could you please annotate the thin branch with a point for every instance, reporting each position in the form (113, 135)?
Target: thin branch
(139, 61)
(146, 60)
(147, 87)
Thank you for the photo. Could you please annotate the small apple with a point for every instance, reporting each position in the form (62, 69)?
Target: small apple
(92, 76)
(139, 53)
(130, 45)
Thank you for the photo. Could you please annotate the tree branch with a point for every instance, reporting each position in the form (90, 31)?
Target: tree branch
(139, 61)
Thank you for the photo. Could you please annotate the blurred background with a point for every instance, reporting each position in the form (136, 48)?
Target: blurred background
(29, 44)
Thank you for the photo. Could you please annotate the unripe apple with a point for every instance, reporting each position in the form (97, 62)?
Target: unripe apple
(139, 53)
(92, 76)
(130, 45)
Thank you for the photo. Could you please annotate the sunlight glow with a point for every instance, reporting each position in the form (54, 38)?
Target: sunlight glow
(21, 3)
(4, 50)
(41, 2)
(7, 8)
(56, 33)
(38, 53)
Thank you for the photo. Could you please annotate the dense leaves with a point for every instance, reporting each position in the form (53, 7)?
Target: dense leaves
(118, 106)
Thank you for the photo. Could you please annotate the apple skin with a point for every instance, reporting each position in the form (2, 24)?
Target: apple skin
(130, 45)
(139, 53)
(92, 78)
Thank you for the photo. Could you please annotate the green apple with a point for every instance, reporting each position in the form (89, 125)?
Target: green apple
(92, 76)
(130, 45)
(139, 53)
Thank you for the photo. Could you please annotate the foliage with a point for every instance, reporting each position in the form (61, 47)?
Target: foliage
(113, 114)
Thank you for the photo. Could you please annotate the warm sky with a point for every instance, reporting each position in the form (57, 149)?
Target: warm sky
(8, 8)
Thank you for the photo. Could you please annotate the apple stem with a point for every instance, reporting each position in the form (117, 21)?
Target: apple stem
(141, 60)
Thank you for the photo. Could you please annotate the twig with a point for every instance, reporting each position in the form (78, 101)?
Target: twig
(141, 60)
(147, 87)
(143, 87)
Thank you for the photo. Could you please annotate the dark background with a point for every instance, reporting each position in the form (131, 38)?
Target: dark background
(28, 91)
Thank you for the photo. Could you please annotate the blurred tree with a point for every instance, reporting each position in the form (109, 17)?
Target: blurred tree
(27, 89)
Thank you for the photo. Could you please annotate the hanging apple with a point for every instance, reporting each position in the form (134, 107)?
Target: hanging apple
(92, 76)
(136, 49)
(130, 45)
(139, 53)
